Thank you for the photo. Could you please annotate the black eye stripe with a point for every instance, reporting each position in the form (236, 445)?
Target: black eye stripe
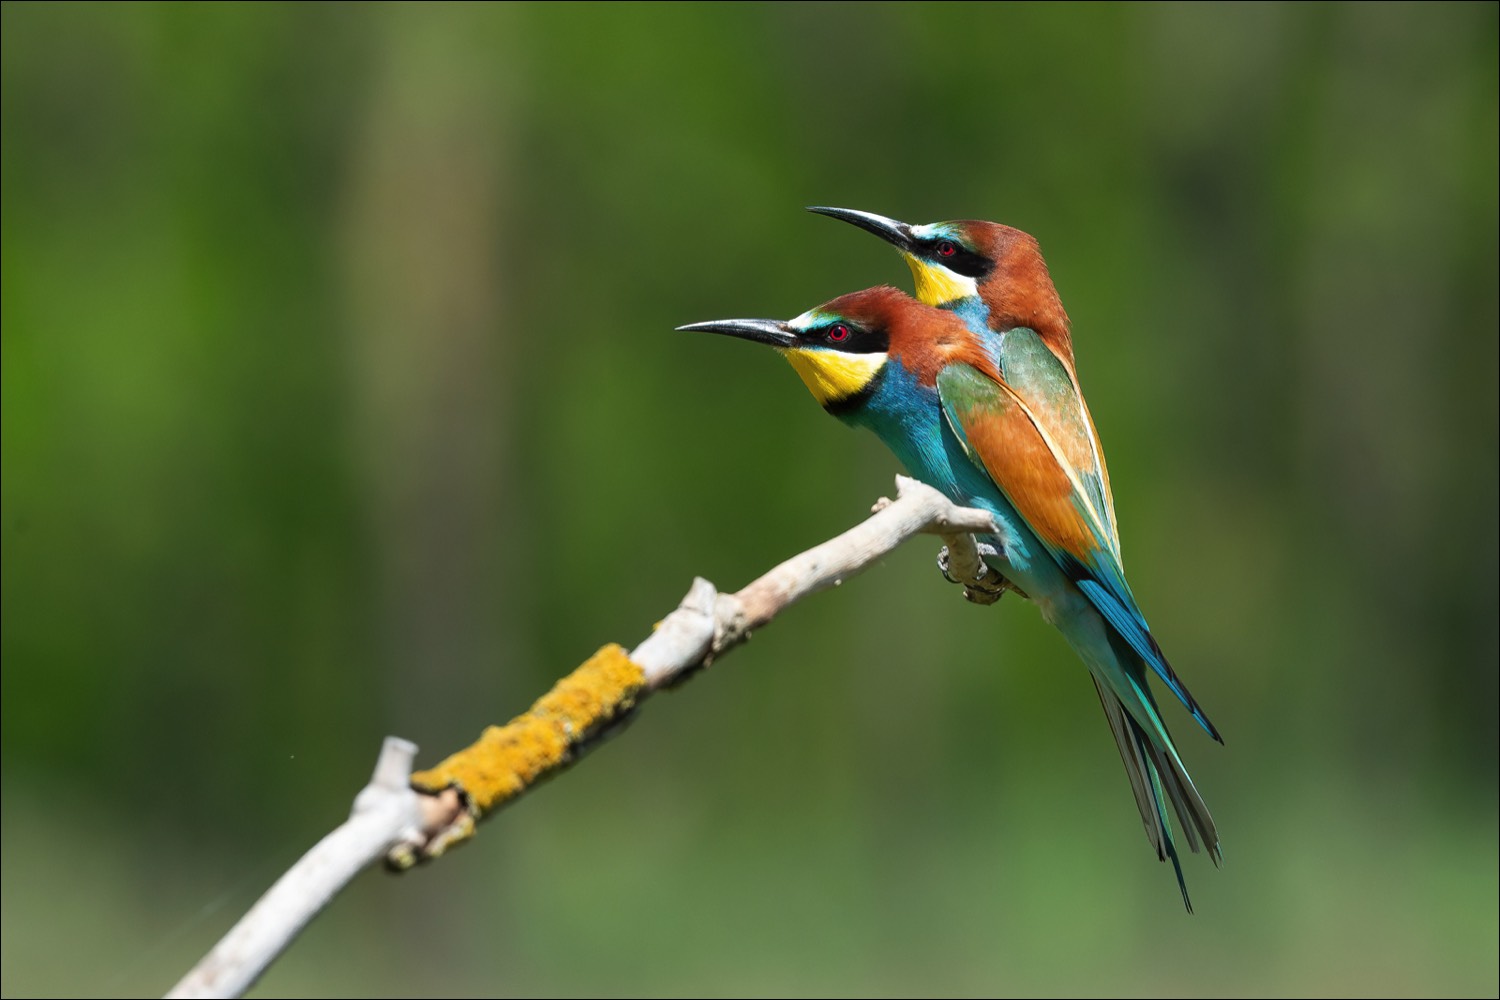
(847, 338)
(957, 258)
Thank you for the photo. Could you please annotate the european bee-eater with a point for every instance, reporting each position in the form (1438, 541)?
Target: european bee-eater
(993, 418)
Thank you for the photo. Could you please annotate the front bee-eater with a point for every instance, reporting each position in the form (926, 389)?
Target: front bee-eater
(993, 419)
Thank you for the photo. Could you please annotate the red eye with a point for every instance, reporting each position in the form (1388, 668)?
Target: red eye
(838, 333)
(946, 249)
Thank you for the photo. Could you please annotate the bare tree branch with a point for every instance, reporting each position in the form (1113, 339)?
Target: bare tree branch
(385, 812)
(410, 818)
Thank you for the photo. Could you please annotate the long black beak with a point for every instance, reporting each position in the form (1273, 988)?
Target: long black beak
(762, 331)
(898, 234)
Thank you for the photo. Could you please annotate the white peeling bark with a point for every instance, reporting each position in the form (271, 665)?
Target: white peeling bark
(704, 627)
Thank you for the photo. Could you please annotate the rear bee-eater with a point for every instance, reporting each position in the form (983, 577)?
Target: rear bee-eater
(980, 401)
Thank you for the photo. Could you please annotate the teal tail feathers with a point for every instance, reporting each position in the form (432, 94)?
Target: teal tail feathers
(1156, 777)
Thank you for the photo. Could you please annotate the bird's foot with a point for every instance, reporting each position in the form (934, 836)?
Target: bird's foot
(987, 585)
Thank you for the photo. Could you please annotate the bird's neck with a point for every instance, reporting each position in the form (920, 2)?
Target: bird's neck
(972, 310)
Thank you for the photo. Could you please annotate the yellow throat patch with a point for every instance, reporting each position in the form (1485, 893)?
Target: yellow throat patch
(937, 285)
(831, 376)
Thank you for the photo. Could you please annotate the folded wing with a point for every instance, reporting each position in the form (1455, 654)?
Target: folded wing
(1039, 449)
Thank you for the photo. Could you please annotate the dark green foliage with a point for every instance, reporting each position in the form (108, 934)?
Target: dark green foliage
(341, 397)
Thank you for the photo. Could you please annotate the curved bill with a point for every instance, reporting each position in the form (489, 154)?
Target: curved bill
(762, 331)
(896, 233)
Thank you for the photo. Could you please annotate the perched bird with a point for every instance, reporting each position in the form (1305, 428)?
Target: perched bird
(979, 399)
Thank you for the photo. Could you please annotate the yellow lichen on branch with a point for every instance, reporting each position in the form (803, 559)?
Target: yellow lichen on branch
(506, 760)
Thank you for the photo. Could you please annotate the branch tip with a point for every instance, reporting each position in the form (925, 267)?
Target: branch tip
(393, 766)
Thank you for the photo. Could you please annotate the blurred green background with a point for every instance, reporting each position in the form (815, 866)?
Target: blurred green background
(341, 398)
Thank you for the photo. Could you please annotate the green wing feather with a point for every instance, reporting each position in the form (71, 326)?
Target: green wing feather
(1009, 439)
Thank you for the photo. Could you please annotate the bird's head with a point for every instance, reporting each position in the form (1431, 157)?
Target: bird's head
(840, 348)
(954, 262)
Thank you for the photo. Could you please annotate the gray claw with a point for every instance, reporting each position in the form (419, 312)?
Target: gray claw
(943, 564)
